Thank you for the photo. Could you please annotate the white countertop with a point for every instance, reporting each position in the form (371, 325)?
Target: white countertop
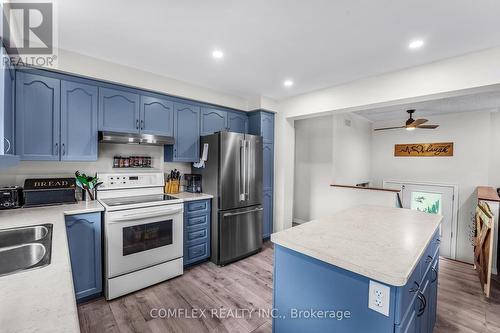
(381, 243)
(43, 299)
(187, 196)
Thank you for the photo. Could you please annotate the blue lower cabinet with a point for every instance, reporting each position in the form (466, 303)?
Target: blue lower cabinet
(412, 307)
(84, 241)
(196, 231)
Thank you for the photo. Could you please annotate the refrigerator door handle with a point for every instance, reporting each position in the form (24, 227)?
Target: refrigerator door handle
(247, 170)
(242, 180)
(245, 212)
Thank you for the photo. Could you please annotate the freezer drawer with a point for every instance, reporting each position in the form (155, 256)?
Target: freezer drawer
(240, 233)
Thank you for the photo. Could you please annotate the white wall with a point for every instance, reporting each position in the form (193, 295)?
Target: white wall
(473, 72)
(471, 134)
(332, 149)
(39, 169)
(80, 64)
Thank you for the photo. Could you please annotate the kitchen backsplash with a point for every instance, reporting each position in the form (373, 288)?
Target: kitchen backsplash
(35, 169)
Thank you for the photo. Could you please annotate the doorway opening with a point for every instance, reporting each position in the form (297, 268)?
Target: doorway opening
(435, 199)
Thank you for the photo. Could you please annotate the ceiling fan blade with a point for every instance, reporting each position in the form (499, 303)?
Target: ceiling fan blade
(428, 126)
(388, 128)
(418, 122)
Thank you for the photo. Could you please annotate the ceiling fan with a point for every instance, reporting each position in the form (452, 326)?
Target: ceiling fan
(411, 124)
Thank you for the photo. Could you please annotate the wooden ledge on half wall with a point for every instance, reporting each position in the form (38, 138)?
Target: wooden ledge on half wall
(366, 188)
(487, 193)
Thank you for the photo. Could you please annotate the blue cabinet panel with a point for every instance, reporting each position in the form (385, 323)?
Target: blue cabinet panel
(213, 120)
(196, 231)
(267, 217)
(186, 133)
(118, 111)
(237, 122)
(37, 117)
(157, 116)
(7, 94)
(78, 122)
(262, 123)
(84, 240)
(268, 165)
(267, 126)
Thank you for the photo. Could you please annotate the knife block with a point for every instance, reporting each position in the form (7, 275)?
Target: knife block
(172, 186)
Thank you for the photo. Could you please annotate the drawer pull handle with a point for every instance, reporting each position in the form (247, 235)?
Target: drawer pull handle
(435, 275)
(423, 303)
(428, 259)
(412, 290)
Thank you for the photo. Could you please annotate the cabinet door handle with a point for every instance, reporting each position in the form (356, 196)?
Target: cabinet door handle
(412, 290)
(63, 149)
(57, 148)
(435, 274)
(142, 124)
(8, 145)
(137, 124)
(423, 303)
(428, 259)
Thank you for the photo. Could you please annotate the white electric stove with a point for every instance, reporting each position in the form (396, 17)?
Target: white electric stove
(143, 232)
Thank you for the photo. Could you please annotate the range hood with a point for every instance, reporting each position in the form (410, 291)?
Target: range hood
(135, 139)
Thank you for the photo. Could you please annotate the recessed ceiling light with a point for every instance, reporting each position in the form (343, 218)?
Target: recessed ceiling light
(217, 54)
(416, 44)
(288, 83)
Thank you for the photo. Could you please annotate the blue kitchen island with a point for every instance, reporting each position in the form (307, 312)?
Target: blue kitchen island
(366, 269)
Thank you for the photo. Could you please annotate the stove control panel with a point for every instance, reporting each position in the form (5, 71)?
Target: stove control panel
(130, 180)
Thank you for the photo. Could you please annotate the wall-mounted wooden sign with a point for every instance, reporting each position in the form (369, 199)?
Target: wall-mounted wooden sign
(436, 149)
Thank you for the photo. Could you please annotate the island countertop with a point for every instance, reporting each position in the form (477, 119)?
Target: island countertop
(381, 243)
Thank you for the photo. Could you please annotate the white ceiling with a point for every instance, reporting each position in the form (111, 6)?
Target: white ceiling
(469, 103)
(317, 43)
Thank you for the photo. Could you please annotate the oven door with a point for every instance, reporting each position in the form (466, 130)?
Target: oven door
(143, 237)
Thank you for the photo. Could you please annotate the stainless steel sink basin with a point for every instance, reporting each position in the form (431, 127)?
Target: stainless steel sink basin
(11, 237)
(25, 248)
(21, 257)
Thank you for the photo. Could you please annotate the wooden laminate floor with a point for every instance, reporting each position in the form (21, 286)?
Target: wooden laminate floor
(247, 284)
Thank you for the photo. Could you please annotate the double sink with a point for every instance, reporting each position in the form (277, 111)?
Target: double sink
(25, 248)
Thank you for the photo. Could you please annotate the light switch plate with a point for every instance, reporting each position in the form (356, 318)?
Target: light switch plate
(379, 297)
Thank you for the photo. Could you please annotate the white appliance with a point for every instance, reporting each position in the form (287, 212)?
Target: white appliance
(143, 232)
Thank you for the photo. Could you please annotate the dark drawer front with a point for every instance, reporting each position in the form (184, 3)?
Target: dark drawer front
(197, 236)
(197, 207)
(196, 253)
(196, 221)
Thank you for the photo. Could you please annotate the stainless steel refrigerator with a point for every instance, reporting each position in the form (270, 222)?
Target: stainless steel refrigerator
(233, 175)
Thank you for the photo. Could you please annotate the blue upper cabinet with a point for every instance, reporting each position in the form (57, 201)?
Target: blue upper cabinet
(78, 122)
(37, 117)
(237, 122)
(267, 127)
(213, 120)
(118, 111)
(7, 92)
(186, 134)
(268, 166)
(84, 241)
(156, 116)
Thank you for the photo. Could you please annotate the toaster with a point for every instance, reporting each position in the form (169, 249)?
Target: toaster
(11, 197)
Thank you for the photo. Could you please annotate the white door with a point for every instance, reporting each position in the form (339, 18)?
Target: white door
(435, 199)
